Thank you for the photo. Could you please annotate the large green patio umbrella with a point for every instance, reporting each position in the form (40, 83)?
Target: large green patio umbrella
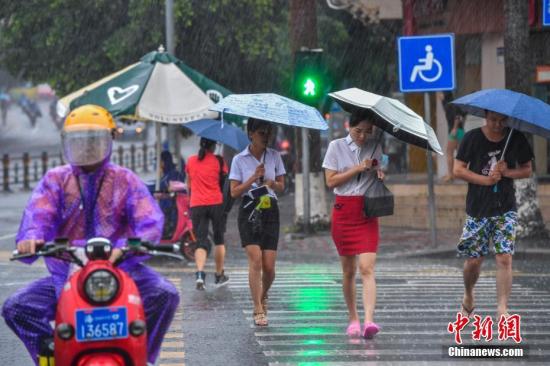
(158, 88)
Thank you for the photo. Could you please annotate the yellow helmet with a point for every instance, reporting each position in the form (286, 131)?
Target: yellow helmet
(87, 135)
(89, 117)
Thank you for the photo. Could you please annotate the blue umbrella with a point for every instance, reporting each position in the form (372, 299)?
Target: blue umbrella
(524, 113)
(221, 132)
(272, 108)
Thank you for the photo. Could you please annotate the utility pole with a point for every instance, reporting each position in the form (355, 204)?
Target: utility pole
(174, 134)
(303, 35)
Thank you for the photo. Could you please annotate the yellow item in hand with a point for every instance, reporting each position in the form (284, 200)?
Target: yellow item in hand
(265, 202)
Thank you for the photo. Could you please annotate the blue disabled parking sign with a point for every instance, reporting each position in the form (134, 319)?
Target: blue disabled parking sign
(426, 63)
(546, 13)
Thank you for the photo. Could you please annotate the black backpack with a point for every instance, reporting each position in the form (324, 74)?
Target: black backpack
(225, 188)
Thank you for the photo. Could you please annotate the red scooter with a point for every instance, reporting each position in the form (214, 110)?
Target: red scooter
(182, 233)
(99, 316)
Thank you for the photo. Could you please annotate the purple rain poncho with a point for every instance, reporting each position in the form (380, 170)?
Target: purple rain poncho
(124, 208)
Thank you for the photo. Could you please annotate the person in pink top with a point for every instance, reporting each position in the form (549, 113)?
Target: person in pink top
(205, 174)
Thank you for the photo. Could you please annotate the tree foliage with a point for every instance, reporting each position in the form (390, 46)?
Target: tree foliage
(242, 44)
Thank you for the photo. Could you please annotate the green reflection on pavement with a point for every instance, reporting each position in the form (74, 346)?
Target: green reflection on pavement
(314, 341)
(310, 299)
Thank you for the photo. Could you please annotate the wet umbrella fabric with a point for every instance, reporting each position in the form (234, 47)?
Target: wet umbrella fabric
(159, 88)
(524, 113)
(273, 108)
(392, 116)
(220, 132)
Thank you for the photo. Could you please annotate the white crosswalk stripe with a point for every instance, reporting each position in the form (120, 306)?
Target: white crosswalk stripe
(307, 317)
(172, 350)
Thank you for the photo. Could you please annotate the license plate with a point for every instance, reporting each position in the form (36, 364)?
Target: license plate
(101, 324)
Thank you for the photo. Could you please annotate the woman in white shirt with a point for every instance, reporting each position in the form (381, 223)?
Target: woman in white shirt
(258, 220)
(351, 165)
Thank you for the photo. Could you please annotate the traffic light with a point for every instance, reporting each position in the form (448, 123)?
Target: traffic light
(309, 75)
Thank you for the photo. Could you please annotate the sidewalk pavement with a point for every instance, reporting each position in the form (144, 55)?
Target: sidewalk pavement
(394, 242)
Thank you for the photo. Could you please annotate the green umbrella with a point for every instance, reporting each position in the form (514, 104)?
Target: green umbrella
(158, 88)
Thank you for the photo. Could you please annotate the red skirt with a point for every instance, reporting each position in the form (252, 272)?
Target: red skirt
(353, 233)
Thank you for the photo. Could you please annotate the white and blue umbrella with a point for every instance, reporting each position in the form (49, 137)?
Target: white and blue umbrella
(221, 132)
(272, 108)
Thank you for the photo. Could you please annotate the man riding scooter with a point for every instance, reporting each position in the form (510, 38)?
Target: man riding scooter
(90, 197)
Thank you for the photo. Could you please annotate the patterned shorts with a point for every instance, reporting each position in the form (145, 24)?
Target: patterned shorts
(478, 232)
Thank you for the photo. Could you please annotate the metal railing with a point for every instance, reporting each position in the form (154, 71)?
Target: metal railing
(19, 171)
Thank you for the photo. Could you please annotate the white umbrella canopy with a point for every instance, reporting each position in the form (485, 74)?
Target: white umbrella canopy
(392, 116)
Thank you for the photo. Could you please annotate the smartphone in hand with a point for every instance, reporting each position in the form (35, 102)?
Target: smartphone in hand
(258, 192)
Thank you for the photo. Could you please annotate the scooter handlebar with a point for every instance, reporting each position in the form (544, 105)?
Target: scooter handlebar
(49, 249)
(54, 249)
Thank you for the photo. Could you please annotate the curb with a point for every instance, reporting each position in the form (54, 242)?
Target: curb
(542, 253)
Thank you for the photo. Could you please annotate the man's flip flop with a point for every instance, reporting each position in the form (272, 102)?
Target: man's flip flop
(467, 312)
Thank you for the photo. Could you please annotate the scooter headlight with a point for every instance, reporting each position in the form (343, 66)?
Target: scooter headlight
(101, 286)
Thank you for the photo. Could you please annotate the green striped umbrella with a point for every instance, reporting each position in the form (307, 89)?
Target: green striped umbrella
(158, 88)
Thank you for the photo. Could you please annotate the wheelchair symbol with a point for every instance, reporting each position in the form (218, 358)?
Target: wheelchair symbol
(427, 64)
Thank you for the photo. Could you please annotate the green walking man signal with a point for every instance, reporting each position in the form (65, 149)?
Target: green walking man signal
(308, 76)
(309, 88)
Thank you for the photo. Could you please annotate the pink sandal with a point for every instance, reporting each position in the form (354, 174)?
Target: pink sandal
(370, 330)
(354, 329)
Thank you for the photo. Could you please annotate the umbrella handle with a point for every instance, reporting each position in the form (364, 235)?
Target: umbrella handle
(495, 187)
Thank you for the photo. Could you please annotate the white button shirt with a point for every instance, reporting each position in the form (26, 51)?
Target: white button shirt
(244, 165)
(343, 154)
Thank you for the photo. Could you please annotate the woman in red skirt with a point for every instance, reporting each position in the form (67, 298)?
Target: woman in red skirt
(350, 167)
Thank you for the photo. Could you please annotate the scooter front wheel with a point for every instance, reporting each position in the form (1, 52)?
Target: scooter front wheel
(188, 245)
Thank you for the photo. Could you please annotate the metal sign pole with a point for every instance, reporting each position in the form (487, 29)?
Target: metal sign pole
(174, 137)
(431, 194)
(305, 179)
(157, 153)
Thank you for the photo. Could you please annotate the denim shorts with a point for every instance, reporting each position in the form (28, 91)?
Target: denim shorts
(478, 232)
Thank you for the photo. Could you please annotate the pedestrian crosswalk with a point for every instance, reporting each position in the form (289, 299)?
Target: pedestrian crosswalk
(307, 316)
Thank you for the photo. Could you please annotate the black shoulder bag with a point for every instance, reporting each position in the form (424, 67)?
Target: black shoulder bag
(378, 198)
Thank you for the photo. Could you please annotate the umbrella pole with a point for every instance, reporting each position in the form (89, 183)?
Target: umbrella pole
(506, 145)
(157, 148)
(377, 142)
(495, 187)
